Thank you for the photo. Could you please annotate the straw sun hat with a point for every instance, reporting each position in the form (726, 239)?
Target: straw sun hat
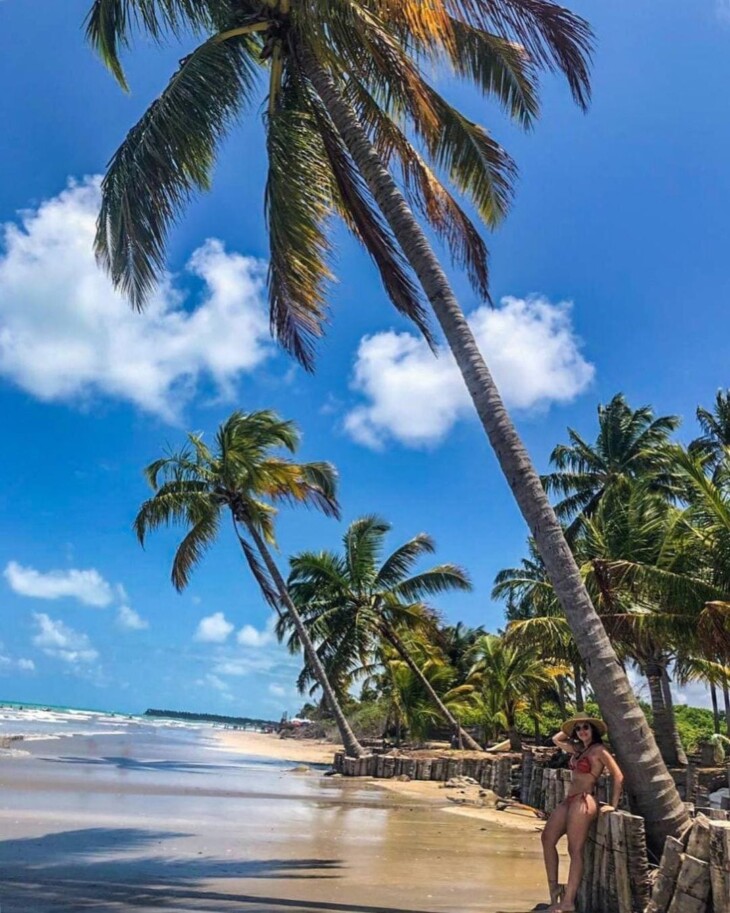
(569, 725)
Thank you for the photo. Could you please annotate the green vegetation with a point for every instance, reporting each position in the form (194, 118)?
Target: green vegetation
(242, 721)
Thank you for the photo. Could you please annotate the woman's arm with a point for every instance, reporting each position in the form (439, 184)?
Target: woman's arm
(614, 771)
(562, 741)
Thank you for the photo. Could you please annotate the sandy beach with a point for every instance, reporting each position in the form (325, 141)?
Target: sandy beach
(265, 745)
(156, 820)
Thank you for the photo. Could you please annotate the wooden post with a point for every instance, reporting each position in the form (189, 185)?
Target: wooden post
(504, 777)
(425, 771)
(638, 861)
(693, 887)
(666, 880)
(339, 761)
(698, 844)
(720, 865)
(528, 764)
(600, 866)
(620, 862)
(690, 783)
(389, 766)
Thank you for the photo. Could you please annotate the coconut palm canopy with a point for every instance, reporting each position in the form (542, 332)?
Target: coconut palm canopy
(379, 55)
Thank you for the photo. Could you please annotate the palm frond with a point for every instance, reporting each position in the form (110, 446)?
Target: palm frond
(298, 204)
(359, 212)
(166, 156)
(553, 36)
(397, 565)
(439, 579)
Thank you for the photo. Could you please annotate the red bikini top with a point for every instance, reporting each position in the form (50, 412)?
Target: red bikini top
(580, 765)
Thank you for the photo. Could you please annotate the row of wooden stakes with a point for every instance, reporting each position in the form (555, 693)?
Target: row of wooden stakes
(694, 873)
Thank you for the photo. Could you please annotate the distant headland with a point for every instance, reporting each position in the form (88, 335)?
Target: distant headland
(240, 722)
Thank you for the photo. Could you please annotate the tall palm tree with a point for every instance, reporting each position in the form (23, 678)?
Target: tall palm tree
(352, 601)
(505, 676)
(346, 93)
(244, 477)
(630, 445)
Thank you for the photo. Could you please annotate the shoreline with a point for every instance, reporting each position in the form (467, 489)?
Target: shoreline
(310, 751)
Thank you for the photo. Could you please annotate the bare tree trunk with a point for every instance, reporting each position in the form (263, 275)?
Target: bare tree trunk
(726, 696)
(649, 784)
(352, 747)
(403, 651)
(580, 705)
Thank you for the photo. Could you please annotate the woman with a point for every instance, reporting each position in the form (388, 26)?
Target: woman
(582, 738)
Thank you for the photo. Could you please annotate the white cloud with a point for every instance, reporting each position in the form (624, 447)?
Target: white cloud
(214, 629)
(277, 690)
(249, 636)
(8, 664)
(88, 586)
(55, 639)
(130, 620)
(212, 681)
(722, 9)
(65, 334)
(416, 399)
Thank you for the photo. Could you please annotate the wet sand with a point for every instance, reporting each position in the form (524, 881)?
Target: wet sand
(165, 823)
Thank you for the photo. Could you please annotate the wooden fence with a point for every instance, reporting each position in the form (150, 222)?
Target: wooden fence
(493, 772)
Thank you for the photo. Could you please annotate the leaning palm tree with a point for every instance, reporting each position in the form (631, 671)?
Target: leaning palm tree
(244, 477)
(351, 602)
(346, 96)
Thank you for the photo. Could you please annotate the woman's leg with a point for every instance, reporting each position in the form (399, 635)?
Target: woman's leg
(554, 829)
(581, 815)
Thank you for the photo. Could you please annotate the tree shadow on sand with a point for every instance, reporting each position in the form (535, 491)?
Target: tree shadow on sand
(113, 868)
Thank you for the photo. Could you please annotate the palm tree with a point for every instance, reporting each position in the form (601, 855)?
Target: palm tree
(708, 519)
(352, 601)
(630, 445)
(410, 703)
(346, 93)
(715, 425)
(456, 641)
(505, 676)
(244, 477)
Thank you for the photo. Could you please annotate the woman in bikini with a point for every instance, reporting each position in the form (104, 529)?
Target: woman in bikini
(582, 738)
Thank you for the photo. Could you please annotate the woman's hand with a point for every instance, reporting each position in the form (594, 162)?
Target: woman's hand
(607, 808)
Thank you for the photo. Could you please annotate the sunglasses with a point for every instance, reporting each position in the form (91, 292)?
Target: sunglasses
(581, 726)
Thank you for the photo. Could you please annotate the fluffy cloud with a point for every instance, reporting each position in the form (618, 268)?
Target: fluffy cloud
(214, 629)
(65, 334)
(55, 639)
(217, 684)
(130, 620)
(249, 636)
(88, 586)
(416, 399)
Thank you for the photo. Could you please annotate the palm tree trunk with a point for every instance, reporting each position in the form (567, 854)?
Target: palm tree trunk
(726, 696)
(649, 784)
(669, 704)
(392, 638)
(352, 747)
(562, 701)
(715, 707)
(664, 724)
(580, 705)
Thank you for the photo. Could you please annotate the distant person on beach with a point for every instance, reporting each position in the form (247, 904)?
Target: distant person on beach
(582, 737)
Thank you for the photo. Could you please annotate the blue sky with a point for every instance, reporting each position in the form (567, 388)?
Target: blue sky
(612, 274)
